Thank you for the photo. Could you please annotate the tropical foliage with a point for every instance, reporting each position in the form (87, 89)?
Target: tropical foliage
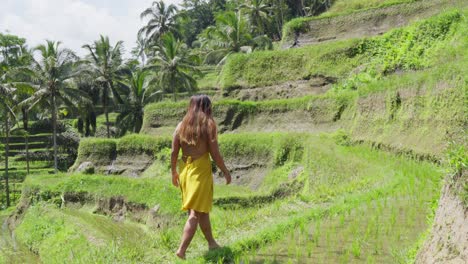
(105, 91)
(161, 20)
(107, 67)
(131, 112)
(174, 66)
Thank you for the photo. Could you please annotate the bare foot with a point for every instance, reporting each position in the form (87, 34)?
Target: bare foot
(213, 246)
(180, 255)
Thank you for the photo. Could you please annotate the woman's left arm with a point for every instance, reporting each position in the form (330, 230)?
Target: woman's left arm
(174, 158)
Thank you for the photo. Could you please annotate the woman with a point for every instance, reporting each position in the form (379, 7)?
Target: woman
(197, 136)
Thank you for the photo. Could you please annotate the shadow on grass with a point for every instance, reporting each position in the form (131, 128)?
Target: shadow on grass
(227, 255)
(284, 190)
(220, 255)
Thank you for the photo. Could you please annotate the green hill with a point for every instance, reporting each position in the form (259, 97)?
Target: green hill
(339, 151)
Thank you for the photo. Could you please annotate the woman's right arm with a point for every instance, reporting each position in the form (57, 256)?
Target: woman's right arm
(218, 159)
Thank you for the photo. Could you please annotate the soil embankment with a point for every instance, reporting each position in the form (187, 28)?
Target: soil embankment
(365, 23)
(448, 242)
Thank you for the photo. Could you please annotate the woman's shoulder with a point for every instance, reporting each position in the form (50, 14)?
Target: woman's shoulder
(176, 131)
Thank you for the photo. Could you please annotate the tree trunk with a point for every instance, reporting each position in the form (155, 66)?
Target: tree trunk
(27, 153)
(138, 123)
(107, 118)
(106, 94)
(25, 113)
(54, 126)
(174, 87)
(7, 152)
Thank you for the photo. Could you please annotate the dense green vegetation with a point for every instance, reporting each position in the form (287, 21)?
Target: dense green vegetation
(421, 120)
(351, 174)
(353, 10)
(401, 49)
(337, 180)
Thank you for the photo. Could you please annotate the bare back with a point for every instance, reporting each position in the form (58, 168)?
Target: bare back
(194, 151)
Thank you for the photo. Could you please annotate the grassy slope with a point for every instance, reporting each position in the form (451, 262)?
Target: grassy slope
(339, 181)
(431, 108)
(405, 109)
(358, 175)
(342, 6)
(364, 9)
(81, 237)
(400, 49)
(261, 68)
(339, 7)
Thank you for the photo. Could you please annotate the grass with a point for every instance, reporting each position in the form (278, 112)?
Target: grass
(356, 9)
(145, 191)
(356, 175)
(101, 119)
(354, 203)
(209, 80)
(261, 68)
(368, 232)
(411, 47)
(431, 103)
(103, 151)
(420, 181)
(38, 143)
(343, 6)
(80, 237)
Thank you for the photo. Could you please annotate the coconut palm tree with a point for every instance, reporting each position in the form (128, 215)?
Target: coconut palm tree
(231, 34)
(296, 7)
(161, 19)
(51, 73)
(15, 53)
(6, 102)
(107, 67)
(278, 11)
(257, 12)
(87, 112)
(174, 65)
(316, 7)
(140, 50)
(131, 112)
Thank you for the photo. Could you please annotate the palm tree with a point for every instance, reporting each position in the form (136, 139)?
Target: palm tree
(6, 96)
(278, 10)
(317, 7)
(15, 53)
(162, 19)
(174, 65)
(140, 50)
(131, 113)
(296, 7)
(257, 12)
(107, 67)
(230, 35)
(51, 76)
(87, 112)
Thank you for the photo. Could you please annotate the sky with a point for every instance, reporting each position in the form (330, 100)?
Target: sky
(74, 22)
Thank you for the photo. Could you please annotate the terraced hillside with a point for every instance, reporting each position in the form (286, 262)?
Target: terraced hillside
(338, 150)
(28, 155)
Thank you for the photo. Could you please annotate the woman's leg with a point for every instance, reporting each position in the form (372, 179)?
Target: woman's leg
(205, 225)
(189, 231)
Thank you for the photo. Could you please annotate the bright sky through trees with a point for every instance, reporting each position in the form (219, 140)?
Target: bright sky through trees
(74, 22)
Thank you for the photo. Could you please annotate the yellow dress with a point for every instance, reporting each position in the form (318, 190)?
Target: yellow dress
(196, 184)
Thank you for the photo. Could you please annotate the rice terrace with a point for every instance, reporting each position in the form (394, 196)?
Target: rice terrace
(343, 124)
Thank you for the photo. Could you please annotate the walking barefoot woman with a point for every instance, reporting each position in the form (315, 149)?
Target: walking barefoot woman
(197, 136)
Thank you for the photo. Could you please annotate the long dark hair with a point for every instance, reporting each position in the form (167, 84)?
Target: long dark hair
(198, 121)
